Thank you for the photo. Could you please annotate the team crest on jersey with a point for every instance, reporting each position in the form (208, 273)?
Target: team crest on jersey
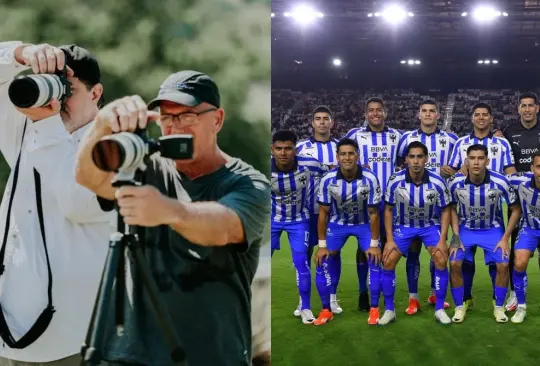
(492, 195)
(378, 190)
(393, 138)
(364, 192)
(494, 150)
(442, 142)
(431, 196)
(452, 177)
(303, 179)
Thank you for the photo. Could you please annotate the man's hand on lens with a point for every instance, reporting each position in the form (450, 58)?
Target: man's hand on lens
(39, 113)
(125, 115)
(145, 206)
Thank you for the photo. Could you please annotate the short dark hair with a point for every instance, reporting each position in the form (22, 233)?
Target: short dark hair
(528, 95)
(284, 135)
(417, 145)
(347, 142)
(429, 102)
(324, 109)
(477, 147)
(481, 105)
(534, 156)
(375, 100)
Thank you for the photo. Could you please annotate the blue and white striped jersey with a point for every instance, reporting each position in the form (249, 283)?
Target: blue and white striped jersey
(349, 201)
(529, 198)
(293, 193)
(479, 205)
(324, 152)
(415, 205)
(378, 150)
(499, 152)
(439, 144)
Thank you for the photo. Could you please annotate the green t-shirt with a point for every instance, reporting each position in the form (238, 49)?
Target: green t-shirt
(206, 289)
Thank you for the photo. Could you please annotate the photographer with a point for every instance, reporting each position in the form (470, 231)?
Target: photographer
(52, 228)
(204, 220)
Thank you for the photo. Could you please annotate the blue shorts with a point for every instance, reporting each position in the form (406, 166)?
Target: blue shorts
(486, 239)
(404, 236)
(313, 234)
(337, 235)
(528, 239)
(298, 233)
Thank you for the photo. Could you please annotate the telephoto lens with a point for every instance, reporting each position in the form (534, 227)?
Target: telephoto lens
(33, 91)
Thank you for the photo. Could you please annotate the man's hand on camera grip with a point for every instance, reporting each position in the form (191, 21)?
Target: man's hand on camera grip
(125, 115)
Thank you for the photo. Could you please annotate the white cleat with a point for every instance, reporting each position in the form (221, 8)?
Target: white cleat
(298, 308)
(387, 318)
(459, 314)
(520, 314)
(511, 303)
(442, 317)
(499, 314)
(307, 316)
(334, 306)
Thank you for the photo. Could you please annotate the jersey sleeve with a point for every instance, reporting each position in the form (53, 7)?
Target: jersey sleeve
(402, 146)
(507, 155)
(452, 188)
(351, 134)
(508, 192)
(455, 159)
(445, 198)
(516, 151)
(452, 141)
(389, 195)
(374, 199)
(324, 193)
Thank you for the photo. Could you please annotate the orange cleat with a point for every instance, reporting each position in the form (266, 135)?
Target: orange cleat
(373, 316)
(413, 307)
(432, 300)
(324, 317)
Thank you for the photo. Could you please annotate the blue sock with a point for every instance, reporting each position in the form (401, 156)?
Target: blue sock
(324, 281)
(493, 275)
(441, 287)
(500, 295)
(375, 283)
(362, 271)
(468, 275)
(520, 285)
(432, 273)
(413, 271)
(389, 288)
(336, 273)
(457, 295)
(303, 277)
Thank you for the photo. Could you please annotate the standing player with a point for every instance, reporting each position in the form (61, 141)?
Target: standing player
(416, 193)
(440, 145)
(527, 186)
(377, 145)
(501, 160)
(293, 180)
(524, 138)
(322, 147)
(480, 224)
(350, 197)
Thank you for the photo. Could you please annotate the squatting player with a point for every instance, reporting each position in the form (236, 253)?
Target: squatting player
(349, 198)
(377, 145)
(440, 145)
(322, 147)
(501, 161)
(480, 224)
(293, 179)
(527, 186)
(416, 193)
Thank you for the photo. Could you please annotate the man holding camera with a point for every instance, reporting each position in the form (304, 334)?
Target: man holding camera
(53, 230)
(204, 220)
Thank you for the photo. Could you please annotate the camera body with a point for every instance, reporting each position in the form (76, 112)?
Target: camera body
(32, 91)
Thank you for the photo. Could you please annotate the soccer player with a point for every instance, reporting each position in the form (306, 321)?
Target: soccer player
(480, 223)
(440, 145)
(524, 138)
(349, 198)
(527, 186)
(416, 193)
(293, 179)
(501, 160)
(322, 147)
(377, 145)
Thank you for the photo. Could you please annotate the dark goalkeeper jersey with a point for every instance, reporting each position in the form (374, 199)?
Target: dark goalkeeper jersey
(525, 142)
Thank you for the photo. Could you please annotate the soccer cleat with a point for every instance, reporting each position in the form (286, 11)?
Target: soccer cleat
(468, 304)
(334, 306)
(388, 317)
(298, 310)
(324, 317)
(520, 314)
(433, 300)
(511, 303)
(373, 316)
(442, 317)
(459, 314)
(500, 316)
(363, 302)
(413, 307)
(307, 316)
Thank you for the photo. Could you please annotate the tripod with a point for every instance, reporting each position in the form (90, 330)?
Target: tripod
(125, 240)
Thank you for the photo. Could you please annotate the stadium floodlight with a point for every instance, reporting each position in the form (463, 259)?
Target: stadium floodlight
(495, 61)
(394, 14)
(403, 62)
(464, 14)
(417, 62)
(410, 62)
(505, 14)
(377, 14)
(304, 14)
(480, 61)
(370, 15)
(487, 62)
(272, 14)
(485, 13)
(411, 14)
(336, 62)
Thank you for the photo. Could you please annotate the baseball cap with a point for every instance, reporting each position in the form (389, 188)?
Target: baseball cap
(84, 65)
(188, 88)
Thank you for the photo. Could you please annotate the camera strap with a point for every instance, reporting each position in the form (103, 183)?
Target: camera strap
(45, 317)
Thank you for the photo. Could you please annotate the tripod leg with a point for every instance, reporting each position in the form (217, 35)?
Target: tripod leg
(92, 350)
